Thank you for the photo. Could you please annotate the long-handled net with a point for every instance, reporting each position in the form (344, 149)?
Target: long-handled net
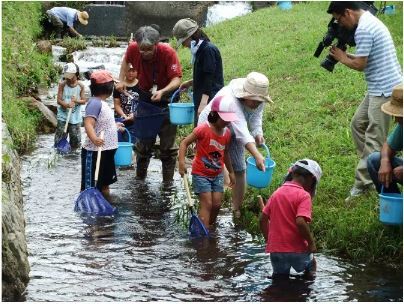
(63, 145)
(196, 228)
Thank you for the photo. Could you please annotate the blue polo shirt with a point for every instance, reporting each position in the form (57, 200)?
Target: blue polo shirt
(65, 14)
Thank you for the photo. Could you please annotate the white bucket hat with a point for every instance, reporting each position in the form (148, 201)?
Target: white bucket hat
(254, 86)
(312, 166)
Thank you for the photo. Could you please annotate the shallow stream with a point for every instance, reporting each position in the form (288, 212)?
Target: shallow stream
(144, 254)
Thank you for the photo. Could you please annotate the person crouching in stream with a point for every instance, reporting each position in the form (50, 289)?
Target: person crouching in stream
(285, 221)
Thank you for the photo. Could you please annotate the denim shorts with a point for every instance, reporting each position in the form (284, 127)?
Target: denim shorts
(283, 261)
(203, 184)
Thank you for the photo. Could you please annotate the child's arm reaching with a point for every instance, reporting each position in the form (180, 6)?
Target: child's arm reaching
(229, 167)
(83, 99)
(89, 126)
(182, 151)
(264, 219)
(304, 230)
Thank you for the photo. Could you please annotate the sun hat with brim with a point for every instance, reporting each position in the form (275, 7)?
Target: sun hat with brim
(183, 29)
(254, 86)
(312, 166)
(394, 107)
(83, 17)
(225, 108)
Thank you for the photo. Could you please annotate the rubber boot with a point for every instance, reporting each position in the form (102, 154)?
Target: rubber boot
(141, 168)
(168, 170)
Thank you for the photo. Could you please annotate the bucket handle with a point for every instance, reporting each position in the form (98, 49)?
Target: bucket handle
(175, 94)
(127, 132)
(267, 150)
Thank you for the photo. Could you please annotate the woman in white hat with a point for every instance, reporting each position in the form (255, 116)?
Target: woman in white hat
(249, 96)
(207, 77)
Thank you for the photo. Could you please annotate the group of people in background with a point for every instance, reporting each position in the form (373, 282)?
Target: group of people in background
(228, 120)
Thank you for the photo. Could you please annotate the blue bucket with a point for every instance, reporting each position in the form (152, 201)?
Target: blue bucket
(391, 208)
(389, 9)
(285, 5)
(257, 178)
(181, 113)
(123, 155)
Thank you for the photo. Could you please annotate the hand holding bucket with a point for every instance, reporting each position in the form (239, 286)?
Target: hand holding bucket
(257, 178)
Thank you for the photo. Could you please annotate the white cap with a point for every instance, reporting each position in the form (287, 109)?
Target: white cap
(312, 166)
(69, 70)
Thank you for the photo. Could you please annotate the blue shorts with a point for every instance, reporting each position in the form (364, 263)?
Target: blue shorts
(203, 184)
(283, 261)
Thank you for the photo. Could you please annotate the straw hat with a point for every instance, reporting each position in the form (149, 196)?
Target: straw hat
(394, 107)
(83, 17)
(255, 87)
(183, 29)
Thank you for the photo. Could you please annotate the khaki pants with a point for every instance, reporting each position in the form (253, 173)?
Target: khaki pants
(369, 127)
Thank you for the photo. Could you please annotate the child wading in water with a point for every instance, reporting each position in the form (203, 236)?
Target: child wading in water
(99, 117)
(212, 139)
(70, 96)
(285, 217)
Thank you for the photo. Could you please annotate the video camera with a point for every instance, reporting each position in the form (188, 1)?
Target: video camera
(344, 37)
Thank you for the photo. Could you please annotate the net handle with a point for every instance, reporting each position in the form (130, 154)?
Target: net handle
(190, 203)
(97, 165)
(68, 119)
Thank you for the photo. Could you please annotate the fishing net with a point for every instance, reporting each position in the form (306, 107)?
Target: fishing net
(196, 227)
(91, 201)
(148, 120)
(63, 146)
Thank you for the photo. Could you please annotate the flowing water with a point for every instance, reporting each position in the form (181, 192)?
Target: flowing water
(144, 254)
(226, 10)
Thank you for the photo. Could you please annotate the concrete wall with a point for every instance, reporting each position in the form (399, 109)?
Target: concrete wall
(15, 266)
(121, 20)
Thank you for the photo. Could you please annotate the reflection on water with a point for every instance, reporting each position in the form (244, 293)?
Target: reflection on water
(143, 254)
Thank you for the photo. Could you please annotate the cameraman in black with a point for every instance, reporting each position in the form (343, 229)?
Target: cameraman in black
(376, 57)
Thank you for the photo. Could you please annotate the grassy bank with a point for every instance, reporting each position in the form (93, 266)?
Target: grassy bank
(24, 69)
(310, 118)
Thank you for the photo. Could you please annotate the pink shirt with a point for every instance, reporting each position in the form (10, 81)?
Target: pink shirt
(283, 207)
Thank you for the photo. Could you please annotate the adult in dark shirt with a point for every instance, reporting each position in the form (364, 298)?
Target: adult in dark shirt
(159, 74)
(207, 63)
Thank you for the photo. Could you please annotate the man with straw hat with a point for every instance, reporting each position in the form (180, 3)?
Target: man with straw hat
(63, 19)
(249, 96)
(384, 167)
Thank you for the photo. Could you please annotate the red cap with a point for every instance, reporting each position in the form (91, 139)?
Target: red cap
(225, 107)
(101, 76)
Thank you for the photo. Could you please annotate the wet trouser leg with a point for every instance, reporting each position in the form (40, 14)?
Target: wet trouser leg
(143, 149)
(168, 149)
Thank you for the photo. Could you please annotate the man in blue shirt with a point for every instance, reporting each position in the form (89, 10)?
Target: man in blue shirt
(376, 56)
(63, 19)
(384, 167)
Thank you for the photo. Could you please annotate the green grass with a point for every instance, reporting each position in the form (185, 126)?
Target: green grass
(24, 69)
(310, 117)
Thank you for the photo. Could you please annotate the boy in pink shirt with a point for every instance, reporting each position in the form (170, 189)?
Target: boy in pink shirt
(285, 220)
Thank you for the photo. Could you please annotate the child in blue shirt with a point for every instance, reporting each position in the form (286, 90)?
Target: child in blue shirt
(70, 96)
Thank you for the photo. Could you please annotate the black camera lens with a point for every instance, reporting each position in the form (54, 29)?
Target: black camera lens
(329, 63)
